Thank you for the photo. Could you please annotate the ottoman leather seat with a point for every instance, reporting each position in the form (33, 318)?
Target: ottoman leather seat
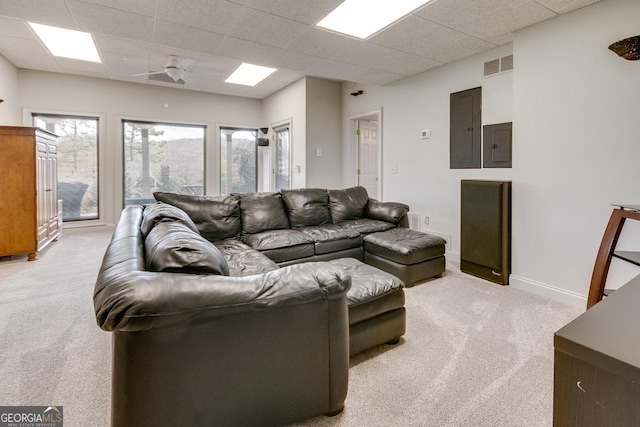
(375, 298)
(411, 255)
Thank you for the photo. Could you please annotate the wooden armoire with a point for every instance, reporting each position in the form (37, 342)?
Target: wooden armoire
(28, 190)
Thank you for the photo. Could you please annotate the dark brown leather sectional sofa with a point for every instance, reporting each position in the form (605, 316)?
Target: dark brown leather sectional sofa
(224, 311)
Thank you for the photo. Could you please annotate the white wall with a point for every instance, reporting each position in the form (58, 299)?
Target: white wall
(424, 180)
(290, 104)
(9, 111)
(324, 130)
(577, 143)
(113, 101)
(576, 146)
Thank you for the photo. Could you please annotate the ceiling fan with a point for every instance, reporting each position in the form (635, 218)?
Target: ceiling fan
(175, 68)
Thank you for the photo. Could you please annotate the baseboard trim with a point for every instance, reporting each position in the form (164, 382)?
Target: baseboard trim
(538, 288)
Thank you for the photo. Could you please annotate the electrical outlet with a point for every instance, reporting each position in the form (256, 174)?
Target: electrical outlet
(426, 220)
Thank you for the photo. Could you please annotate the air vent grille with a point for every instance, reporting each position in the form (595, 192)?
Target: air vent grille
(499, 65)
(491, 67)
(506, 63)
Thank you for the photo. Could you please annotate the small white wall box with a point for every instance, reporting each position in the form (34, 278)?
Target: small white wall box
(425, 134)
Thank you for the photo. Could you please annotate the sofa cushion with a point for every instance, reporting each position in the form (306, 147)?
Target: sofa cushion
(366, 226)
(332, 238)
(281, 245)
(174, 247)
(244, 261)
(261, 212)
(373, 291)
(386, 211)
(217, 218)
(162, 212)
(347, 204)
(307, 206)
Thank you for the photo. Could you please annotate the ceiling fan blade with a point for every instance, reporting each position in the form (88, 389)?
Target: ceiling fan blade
(149, 74)
(184, 63)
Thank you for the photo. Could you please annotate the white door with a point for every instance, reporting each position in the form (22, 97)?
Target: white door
(368, 156)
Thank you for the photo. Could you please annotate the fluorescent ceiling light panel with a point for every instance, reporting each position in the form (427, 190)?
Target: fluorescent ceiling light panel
(361, 18)
(67, 43)
(249, 74)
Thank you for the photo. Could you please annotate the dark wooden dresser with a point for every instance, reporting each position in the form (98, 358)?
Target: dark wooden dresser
(597, 364)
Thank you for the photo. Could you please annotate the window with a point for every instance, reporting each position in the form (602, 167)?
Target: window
(283, 159)
(162, 157)
(77, 163)
(238, 160)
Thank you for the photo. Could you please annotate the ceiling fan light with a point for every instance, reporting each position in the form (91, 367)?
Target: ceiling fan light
(175, 73)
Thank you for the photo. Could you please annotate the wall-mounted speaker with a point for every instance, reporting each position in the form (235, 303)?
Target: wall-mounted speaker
(263, 142)
(485, 229)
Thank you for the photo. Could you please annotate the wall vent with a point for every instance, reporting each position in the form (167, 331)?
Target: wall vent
(506, 63)
(491, 67)
(499, 65)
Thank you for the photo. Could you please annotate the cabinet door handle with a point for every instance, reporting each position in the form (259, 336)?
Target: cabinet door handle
(495, 273)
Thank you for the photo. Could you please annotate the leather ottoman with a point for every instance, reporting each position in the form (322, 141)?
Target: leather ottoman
(411, 255)
(376, 306)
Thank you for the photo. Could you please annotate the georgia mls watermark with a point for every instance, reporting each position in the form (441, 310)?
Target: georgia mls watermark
(31, 416)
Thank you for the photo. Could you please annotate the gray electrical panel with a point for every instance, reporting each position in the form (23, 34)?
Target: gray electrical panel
(496, 142)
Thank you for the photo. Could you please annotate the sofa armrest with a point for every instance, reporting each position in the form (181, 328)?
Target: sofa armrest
(129, 298)
(392, 212)
(141, 300)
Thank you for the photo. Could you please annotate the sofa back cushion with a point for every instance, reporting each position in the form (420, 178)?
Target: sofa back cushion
(347, 204)
(176, 248)
(162, 212)
(217, 218)
(261, 212)
(307, 206)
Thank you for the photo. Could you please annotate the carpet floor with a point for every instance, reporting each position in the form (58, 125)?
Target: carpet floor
(474, 354)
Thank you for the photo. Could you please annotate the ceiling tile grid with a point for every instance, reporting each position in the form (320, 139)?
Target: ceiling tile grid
(136, 37)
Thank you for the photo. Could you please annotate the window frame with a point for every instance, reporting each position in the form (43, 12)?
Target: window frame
(98, 219)
(257, 169)
(124, 120)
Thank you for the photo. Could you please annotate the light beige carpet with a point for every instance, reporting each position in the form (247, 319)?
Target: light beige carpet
(475, 353)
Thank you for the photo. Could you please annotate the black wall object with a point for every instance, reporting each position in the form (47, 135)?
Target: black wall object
(496, 145)
(485, 229)
(263, 142)
(465, 127)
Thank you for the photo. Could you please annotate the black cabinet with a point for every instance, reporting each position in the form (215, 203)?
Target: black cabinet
(597, 364)
(465, 129)
(485, 229)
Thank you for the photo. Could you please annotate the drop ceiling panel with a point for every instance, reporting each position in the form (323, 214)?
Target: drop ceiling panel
(460, 13)
(564, 6)
(119, 65)
(106, 44)
(349, 72)
(15, 28)
(187, 38)
(499, 27)
(216, 16)
(28, 46)
(105, 20)
(307, 12)
(247, 51)
(141, 7)
(74, 64)
(267, 29)
(32, 62)
(50, 12)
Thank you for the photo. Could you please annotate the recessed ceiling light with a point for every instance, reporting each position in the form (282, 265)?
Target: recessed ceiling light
(249, 74)
(362, 18)
(67, 43)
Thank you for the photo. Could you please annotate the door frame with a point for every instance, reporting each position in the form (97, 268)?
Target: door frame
(353, 143)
